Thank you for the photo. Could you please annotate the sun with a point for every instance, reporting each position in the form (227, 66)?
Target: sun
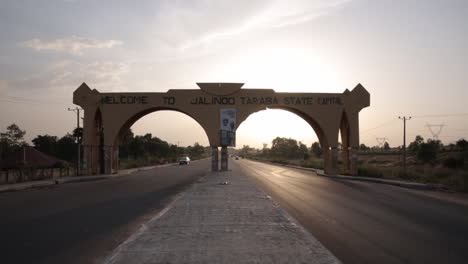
(282, 69)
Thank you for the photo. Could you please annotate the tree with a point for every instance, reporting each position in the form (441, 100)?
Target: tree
(285, 148)
(11, 140)
(303, 149)
(66, 148)
(427, 152)
(265, 150)
(195, 152)
(78, 133)
(316, 149)
(246, 151)
(386, 146)
(462, 144)
(46, 144)
(13, 136)
(414, 146)
(363, 147)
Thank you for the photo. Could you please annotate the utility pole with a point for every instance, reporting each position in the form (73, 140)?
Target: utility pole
(404, 118)
(77, 111)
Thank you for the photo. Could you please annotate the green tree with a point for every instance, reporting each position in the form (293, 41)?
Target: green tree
(317, 149)
(427, 152)
(285, 148)
(246, 151)
(462, 144)
(414, 146)
(66, 148)
(196, 152)
(386, 146)
(265, 150)
(303, 149)
(11, 140)
(46, 144)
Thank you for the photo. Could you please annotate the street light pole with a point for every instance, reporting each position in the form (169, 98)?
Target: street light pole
(77, 111)
(404, 118)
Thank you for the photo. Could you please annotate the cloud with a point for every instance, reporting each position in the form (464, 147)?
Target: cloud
(62, 78)
(3, 86)
(205, 22)
(73, 45)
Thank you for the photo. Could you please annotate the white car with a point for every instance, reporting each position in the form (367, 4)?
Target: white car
(184, 161)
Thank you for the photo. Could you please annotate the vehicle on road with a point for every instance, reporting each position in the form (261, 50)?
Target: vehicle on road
(184, 161)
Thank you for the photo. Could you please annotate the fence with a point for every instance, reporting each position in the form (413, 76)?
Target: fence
(32, 174)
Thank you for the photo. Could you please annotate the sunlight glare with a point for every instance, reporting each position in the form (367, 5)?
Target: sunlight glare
(282, 69)
(264, 126)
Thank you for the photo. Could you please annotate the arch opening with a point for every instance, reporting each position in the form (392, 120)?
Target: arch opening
(158, 127)
(261, 128)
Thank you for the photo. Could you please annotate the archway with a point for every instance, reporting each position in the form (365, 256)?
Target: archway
(327, 113)
(156, 114)
(300, 127)
(261, 128)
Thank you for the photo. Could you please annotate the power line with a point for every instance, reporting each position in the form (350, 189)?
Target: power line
(442, 115)
(24, 100)
(379, 126)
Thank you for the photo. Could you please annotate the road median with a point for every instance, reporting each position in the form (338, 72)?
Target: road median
(223, 218)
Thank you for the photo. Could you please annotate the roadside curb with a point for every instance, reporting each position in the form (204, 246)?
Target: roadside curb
(42, 183)
(410, 185)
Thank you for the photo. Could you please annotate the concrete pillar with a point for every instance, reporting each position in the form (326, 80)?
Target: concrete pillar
(214, 159)
(334, 160)
(353, 170)
(346, 162)
(108, 159)
(224, 159)
(326, 160)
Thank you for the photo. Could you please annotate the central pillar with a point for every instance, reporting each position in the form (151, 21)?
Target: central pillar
(214, 158)
(334, 160)
(354, 161)
(224, 159)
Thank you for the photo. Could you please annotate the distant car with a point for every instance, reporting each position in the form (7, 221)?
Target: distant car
(184, 161)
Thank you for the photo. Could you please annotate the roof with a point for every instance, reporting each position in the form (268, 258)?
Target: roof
(28, 157)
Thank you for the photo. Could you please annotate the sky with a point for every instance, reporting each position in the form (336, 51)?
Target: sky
(410, 55)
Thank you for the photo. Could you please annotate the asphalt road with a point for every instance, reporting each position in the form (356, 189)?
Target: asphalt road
(366, 222)
(84, 222)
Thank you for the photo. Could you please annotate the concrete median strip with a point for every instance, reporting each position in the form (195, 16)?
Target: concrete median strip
(222, 223)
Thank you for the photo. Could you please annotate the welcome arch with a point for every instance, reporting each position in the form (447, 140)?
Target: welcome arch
(108, 115)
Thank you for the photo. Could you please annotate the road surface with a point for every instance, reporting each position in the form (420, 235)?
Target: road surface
(84, 222)
(368, 222)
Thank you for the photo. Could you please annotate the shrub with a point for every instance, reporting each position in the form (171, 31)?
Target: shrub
(370, 172)
(453, 163)
(61, 164)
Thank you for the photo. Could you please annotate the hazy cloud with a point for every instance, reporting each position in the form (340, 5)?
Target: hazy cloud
(3, 86)
(205, 22)
(63, 77)
(73, 45)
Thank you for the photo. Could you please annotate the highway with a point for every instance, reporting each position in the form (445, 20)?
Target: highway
(84, 222)
(358, 222)
(366, 222)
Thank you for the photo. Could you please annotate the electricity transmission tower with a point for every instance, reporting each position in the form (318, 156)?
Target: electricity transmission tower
(435, 130)
(381, 142)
